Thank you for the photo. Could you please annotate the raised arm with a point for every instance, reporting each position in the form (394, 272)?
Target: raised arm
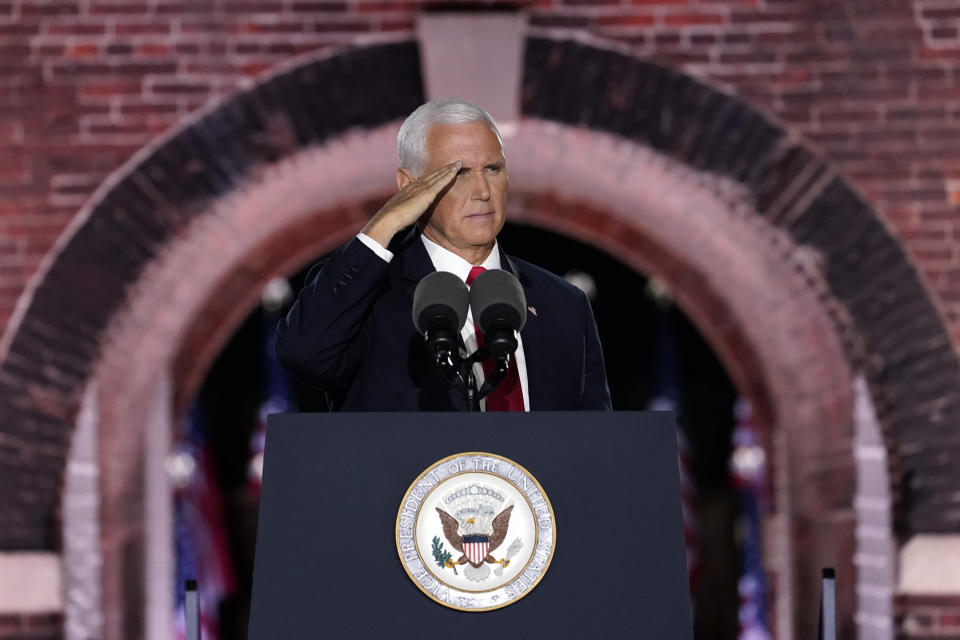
(322, 339)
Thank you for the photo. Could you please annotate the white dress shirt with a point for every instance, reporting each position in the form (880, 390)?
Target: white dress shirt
(444, 260)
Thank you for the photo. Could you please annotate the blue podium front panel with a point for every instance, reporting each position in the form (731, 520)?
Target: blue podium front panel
(327, 564)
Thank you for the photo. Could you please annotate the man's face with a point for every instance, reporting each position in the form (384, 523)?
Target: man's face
(469, 214)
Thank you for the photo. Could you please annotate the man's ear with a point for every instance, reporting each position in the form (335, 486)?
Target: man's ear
(403, 178)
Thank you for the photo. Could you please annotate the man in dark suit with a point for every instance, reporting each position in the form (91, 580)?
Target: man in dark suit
(350, 332)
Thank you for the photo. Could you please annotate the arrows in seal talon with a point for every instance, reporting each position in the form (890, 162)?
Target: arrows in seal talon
(512, 550)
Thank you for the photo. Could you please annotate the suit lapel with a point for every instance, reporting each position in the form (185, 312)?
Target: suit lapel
(532, 335)
(413, 261)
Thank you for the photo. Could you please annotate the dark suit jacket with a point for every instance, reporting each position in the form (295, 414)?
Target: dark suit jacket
(351, 333)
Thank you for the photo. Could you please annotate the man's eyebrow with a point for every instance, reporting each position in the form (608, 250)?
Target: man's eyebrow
(498, 164)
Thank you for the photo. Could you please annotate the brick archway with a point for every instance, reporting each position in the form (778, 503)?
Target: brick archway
(735, 180)
(191, 299)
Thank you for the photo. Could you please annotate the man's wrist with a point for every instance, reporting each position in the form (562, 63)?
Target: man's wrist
(374, 245)
(381, 230)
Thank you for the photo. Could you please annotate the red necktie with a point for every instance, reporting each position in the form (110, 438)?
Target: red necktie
(506, 396)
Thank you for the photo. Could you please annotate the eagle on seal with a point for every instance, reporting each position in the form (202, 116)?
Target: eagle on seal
(476, 547)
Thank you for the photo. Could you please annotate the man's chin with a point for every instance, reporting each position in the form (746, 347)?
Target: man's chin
(485, 239)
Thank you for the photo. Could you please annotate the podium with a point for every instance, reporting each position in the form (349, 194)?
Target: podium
(327, 565)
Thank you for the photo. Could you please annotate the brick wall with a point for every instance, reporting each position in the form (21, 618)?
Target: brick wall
(927, 617)
(874, 83)
(34, 626)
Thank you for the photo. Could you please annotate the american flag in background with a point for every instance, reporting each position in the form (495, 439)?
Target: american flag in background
(202, 548)
(748, 470)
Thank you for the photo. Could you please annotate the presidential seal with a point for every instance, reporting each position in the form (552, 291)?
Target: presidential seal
(476, 532)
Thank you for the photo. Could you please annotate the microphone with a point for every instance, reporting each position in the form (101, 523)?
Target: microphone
(499, 309)
(440, 304)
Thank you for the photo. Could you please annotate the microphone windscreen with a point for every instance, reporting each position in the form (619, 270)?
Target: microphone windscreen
(494, 294)
(440, 293)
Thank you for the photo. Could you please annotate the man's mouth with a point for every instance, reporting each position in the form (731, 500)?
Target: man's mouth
(479, 216)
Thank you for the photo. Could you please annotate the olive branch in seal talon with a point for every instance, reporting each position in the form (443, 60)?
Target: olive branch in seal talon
(442, 556)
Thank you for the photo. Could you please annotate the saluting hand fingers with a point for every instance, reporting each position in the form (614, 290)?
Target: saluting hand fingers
(441, 177)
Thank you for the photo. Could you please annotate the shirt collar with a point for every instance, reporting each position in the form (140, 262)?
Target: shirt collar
(446, 260)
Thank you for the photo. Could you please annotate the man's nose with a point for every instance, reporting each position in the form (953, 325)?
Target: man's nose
(479, 186)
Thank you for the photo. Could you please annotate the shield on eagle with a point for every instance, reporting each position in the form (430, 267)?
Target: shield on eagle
(476, 548)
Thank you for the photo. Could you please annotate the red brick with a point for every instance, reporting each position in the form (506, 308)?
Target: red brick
(119, 9)
(939, 54)
(561, 21)
(398, 25)
(253, 6)
(140, 107)
(633, 20)
(75, 28)
(254, 68)
(667, 39)
(269, 27)
(187, 48)
(326, 26)
(852, 115)
(100, 89)
(19, 29)
(756, 17)
(14, 50)
(148, 49)
(142, 28)
(180, 88)
(83, 50)
(385, 5)
(931, 13)
(185, 8)
(751, 57)
(944, 33)
(704, 39)
(49, 8)
(119, 49)
(685, 19)
(324, 7)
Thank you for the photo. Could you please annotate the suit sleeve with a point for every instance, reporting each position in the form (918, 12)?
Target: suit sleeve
(595, 393)
(321, 340)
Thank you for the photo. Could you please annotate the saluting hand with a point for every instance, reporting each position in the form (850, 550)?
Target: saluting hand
(409, 204)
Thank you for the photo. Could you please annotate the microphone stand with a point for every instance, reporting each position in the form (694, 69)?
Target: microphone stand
(501, 366)
(459, 373)
(471, 393)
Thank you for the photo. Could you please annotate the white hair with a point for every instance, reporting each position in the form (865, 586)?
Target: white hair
(412, 137)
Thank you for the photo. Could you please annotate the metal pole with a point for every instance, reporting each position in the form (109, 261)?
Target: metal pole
(192, 610)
